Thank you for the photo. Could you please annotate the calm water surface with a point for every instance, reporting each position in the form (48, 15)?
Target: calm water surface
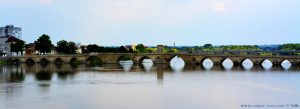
(146, 87)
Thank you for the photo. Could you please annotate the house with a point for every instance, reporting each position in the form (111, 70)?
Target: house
(5, 43)
(30, 49)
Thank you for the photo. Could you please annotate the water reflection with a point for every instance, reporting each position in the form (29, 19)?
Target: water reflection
(43, 76)
(208, 64)
(177, 64)
(126, 65)
(64, 75)
(147, 66)
(108, 86)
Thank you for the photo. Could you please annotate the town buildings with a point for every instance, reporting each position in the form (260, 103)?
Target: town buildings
(8, 35)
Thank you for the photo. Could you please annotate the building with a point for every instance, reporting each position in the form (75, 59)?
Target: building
(160, 49)
(8, 35)
(10, 30)
(30, 49)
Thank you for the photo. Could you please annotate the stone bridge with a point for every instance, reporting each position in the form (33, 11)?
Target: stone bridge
(189, 58)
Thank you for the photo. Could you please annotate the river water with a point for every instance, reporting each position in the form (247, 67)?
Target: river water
(161, 86)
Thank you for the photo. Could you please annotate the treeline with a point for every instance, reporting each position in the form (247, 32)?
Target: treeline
(289, 47)
(210, 47)
(44, 46)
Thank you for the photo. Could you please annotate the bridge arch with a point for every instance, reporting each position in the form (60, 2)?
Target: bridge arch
(44, 61)
(224, 59)
(206, 58)
(265, 60)
(93, 60)
(207, 63)
(58, 61)
(15, 61)
(123, 58)
(173, 56)
(227, 63)
(245, 60)
(140, 60)
(29, 61)
(74, 61)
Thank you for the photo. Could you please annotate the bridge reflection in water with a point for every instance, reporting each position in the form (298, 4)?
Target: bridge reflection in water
(29, 86)
(16, 73)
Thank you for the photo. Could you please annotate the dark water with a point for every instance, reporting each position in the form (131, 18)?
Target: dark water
(146, 87)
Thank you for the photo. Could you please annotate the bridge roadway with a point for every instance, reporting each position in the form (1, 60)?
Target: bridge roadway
(189, 58)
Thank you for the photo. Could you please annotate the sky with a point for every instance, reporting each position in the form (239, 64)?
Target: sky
(153, 22)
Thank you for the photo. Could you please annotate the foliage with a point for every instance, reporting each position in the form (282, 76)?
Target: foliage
(265, 54)
(240, 47)
(289, 47)
(125, 58)
(94, 61)
(75, 62)
(131, 50)
(122, 49)
(18, 46)
(43, 44)
(66, 47)
(174, 50)
(92, 48)
(207, 46)
(140, 48)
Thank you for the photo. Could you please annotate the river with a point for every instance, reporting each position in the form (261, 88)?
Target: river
(113, 86)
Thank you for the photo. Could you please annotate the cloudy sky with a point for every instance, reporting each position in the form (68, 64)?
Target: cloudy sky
(152, 22)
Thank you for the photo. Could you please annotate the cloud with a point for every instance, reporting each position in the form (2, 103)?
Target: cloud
(219, 7)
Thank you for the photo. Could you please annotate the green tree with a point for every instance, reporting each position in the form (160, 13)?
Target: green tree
(18, 46)
(66, 47)
(130, 50)
(140, 48)
(208, 46)
(289, 47)
(43, 44)
(122, 49)
(92, 48)
(174, 50)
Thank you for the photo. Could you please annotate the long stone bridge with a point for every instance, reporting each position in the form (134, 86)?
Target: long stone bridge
(189, 58)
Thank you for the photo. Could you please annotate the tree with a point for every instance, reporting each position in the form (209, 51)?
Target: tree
(174, 50)
(43, 44)
(122, 49)
(130, 50)
(66, 47)
(140, 48)
(208, 46)
(92, 48)
(289, 47)
(18, 46)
